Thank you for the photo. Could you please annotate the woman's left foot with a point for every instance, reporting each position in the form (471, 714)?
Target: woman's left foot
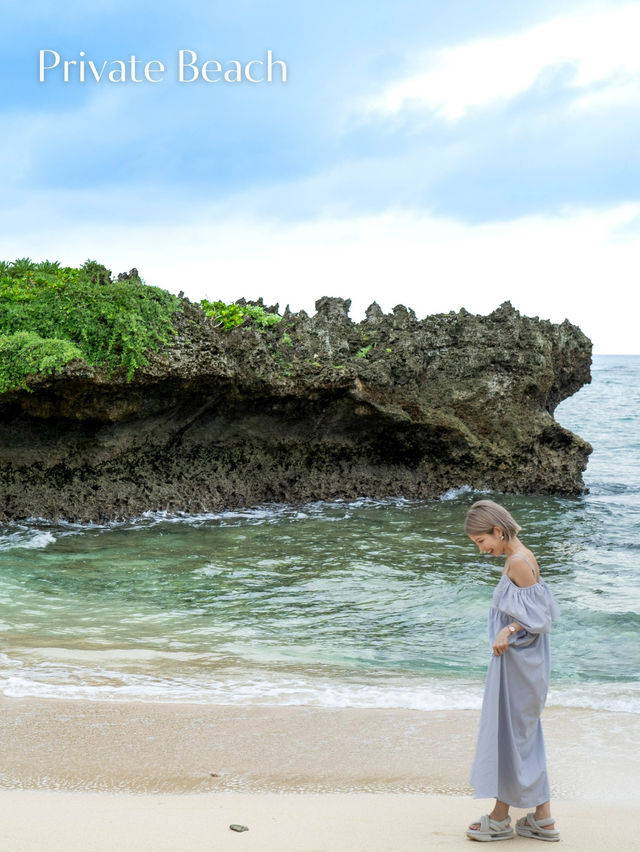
(542, 828)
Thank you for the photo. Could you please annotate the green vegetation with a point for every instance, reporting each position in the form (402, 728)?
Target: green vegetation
(25, 353)
(50, 315)
(230, 315)
(362, 353)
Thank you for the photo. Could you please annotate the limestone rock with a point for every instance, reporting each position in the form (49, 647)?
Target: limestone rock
(312, 408)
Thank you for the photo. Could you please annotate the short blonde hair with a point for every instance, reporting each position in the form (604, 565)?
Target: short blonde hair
(484, 515)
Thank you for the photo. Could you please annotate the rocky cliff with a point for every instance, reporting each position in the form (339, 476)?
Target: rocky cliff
(311, 408)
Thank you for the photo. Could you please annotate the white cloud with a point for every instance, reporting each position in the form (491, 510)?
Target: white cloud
(580, 264)
(599, 48)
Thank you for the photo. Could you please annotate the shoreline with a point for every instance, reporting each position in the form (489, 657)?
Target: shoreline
(84, 776)
(135, 747)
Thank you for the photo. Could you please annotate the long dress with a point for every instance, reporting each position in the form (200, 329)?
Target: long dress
(510, 761)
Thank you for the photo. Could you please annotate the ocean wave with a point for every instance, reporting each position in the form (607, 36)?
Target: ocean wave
(616, 697)
(275, 512)
(240, 689)
(253, 691)
(462, 491)
(27, 539)
(252, 515)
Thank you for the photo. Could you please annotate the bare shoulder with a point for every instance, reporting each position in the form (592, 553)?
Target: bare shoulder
(519, 569)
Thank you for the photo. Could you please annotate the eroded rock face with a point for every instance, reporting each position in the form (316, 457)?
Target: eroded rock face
(311, 408)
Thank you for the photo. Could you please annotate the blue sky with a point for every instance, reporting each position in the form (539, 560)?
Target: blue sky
(434, 154)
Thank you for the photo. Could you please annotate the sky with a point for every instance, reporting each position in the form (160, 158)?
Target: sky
(436, 155)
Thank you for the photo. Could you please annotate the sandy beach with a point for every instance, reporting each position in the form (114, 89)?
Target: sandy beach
(79, 775)
(294, 822)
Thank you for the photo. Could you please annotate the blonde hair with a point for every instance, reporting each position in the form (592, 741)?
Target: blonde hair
(484, 515)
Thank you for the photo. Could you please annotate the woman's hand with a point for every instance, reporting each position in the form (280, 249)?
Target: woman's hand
(501, 642)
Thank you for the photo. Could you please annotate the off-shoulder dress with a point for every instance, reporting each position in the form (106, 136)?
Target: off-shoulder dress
(510, 761)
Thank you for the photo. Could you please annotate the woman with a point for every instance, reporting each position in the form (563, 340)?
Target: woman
(510, 762)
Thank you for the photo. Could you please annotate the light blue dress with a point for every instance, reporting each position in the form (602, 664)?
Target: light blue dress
(510, 762)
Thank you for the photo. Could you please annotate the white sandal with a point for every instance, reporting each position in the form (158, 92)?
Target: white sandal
(491, 829)
(529, 826)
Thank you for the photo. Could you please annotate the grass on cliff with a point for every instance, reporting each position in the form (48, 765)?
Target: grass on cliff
(50, 315)
(230, 315)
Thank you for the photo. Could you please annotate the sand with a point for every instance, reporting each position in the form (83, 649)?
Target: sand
(79, 775)
(292, 822)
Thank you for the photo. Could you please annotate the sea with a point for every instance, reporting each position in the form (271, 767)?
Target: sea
(348, 603)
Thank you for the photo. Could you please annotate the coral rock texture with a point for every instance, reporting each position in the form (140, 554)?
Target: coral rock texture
(314, 407)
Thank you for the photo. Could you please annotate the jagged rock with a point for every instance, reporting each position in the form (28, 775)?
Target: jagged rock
(312, 408)
(128, 276)
(374, 314)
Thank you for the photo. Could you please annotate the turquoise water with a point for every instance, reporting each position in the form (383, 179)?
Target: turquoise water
(363, 603)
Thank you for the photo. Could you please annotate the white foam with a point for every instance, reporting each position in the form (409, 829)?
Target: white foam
(616, 697)
(254, 515)
(455, 493)
(27, 539)
(233, 686)
(250, 690)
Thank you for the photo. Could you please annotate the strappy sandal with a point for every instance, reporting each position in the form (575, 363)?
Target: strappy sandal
(529, 826)
(491, 829)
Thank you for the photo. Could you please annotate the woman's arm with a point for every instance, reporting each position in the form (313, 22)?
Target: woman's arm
(519, 572)
(501, 642)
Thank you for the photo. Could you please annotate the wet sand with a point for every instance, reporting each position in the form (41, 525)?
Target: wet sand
(80, 775)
